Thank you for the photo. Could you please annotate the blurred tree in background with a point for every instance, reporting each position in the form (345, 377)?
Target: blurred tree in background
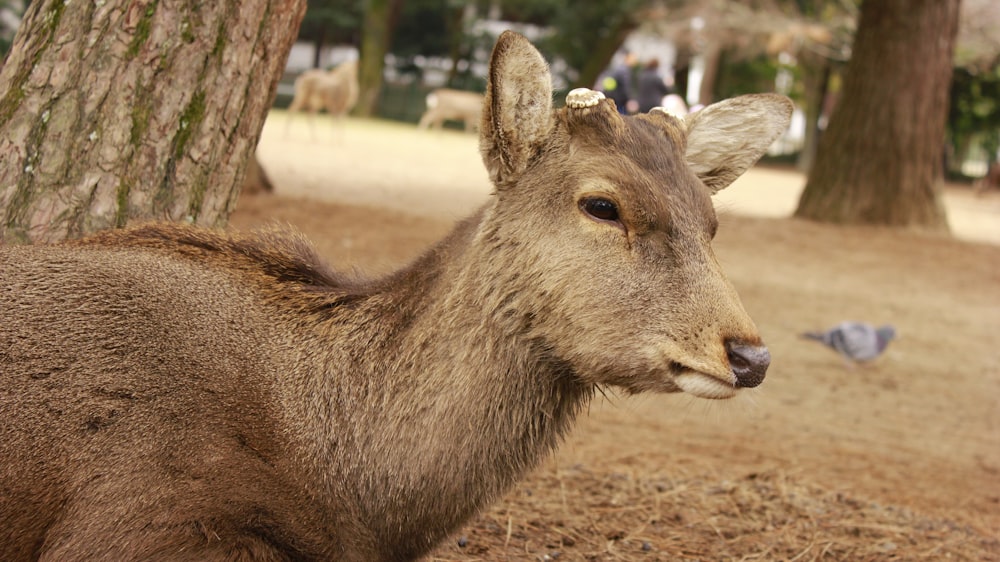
(380, 19)
(798, 47)
(588, 34)
(820, 45)
(10, 17)
(746, 45)
(439, 28)
(974, 114)
(881, 158)
(429, 28)
(331, 22)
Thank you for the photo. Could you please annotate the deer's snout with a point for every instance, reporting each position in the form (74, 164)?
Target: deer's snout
(748, 362)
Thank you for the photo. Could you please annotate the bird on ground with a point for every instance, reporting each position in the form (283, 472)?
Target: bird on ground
(857, 342)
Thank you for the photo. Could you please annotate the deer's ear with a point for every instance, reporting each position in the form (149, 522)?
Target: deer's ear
(517, 111)
(726, 138)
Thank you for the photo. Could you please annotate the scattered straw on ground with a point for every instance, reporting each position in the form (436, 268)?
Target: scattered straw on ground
(576, 513)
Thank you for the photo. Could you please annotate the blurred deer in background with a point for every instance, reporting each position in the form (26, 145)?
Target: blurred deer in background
(456, 105)
(173, 393)
(335, 90)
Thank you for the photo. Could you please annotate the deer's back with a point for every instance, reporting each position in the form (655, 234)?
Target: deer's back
(138, 377)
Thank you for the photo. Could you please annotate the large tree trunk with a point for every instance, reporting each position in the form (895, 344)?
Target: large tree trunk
(122, 110)
(880, 159)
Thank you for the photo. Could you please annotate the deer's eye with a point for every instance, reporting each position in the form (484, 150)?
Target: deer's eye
(600, 208)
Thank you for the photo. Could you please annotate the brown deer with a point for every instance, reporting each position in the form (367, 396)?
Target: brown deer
(335, 90)
(174, 393)
(456, 105)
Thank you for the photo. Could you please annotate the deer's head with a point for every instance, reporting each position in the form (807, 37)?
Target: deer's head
(611, 221)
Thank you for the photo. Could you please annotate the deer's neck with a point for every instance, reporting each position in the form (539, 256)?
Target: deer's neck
(448, 399)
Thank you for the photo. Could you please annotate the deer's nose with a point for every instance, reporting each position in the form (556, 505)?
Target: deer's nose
(748, 362)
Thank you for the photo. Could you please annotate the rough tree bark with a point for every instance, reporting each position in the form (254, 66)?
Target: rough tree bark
(120, 110)
(880, 159)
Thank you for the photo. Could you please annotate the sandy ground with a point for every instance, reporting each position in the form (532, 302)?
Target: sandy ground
(896, 461)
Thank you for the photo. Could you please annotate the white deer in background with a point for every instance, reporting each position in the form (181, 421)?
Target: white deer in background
(457, 105)
(335, 90)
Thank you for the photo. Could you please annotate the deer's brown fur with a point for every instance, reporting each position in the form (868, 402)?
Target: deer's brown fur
(172, 393)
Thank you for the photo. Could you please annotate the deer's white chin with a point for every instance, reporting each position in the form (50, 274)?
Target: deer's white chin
(704, 386)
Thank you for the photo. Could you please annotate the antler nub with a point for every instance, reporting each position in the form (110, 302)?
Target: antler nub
(583, 97)
(668, 112)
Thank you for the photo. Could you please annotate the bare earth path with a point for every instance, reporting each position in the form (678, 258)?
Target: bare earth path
(897, 461)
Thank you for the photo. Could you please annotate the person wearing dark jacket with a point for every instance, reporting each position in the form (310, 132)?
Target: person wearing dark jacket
(617, 85)
(651, 88)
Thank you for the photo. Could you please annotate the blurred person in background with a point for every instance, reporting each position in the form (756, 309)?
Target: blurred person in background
(617, 84)
(652, 87)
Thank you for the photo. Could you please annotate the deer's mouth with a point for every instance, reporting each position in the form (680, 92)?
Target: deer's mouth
(704, 385)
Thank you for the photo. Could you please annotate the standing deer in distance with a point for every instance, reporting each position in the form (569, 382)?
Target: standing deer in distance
(456, 105)
(335, 90)
(174, 393)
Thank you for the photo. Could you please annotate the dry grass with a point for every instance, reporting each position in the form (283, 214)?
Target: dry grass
(581, 513)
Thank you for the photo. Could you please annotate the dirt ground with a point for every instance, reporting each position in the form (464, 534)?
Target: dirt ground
(896, 461)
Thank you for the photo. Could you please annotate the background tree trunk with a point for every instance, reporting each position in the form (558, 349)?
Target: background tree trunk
(122, 110)
(376, 38)
(880, 159)
(603, 49)
(816, 71)
(712, 55)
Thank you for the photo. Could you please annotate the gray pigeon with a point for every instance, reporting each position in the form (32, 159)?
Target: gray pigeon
(855, 341)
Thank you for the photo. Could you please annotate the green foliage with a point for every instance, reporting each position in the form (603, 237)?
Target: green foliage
(578, 26)
(975, 108)
(580, 30)
(332, 21)
(738, 76)
(439, 28)
(538, 12)
(426, 27)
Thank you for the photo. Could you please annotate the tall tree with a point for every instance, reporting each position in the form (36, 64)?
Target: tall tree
(974, 117)
(817, 41)
(331, 22)
(880, 160)
(589, 33)
(121, 110)
(376, 38)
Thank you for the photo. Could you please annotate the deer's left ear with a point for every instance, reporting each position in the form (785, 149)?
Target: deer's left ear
(517, 111)
(726, 138)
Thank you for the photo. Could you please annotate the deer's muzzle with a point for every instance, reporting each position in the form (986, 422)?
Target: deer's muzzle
(749, 363)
